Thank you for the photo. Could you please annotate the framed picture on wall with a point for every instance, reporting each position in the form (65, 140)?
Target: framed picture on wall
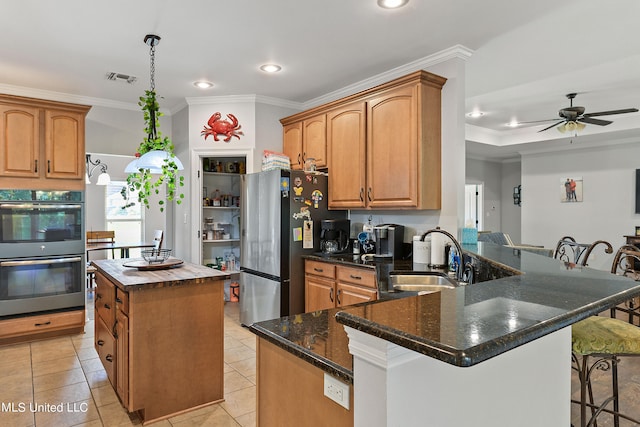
(571, 190)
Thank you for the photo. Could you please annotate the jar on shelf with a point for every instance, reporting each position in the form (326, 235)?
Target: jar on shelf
(216, 198)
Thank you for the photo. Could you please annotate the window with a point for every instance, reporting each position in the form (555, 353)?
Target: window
(125, 221)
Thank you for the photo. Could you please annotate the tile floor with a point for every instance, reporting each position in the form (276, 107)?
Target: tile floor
(68, 370)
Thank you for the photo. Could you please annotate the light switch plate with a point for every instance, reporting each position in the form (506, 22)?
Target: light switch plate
(336, 390)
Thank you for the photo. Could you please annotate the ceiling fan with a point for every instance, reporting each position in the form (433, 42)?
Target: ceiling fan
(574, 118)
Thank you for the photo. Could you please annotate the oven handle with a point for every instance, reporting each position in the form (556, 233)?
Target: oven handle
(39, 262)
(39, 206)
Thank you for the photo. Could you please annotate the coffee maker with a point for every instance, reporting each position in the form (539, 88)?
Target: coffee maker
(334, 235)
(389, 238)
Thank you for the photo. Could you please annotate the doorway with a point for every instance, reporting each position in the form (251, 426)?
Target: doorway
(473, 206)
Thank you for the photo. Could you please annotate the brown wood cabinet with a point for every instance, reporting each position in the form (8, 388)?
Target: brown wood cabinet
(306, 139)
(161, 346)
(328, 285)
(383, 145)
(42, 144)
(41, 326)
(283, 377)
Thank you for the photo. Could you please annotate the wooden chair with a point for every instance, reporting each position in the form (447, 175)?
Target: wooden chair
(95, 237)
(597, 343)
(158, 237)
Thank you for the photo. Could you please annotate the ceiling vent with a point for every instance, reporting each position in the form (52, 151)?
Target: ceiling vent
(121, 77)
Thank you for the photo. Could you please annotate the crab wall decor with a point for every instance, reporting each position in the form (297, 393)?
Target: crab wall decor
(217, 126)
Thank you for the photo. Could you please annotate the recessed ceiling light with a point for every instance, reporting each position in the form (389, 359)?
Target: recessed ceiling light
(270, 68)
(513, 124)
(392, 4)
(203, 84)
(475, 114)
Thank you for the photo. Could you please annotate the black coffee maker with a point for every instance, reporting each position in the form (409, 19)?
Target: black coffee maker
(334, 235)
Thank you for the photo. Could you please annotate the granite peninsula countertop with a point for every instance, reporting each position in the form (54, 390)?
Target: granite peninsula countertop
(131, 279)
(462, 326)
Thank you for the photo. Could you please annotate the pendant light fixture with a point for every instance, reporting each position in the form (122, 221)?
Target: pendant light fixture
(91, 166)
(155, 166)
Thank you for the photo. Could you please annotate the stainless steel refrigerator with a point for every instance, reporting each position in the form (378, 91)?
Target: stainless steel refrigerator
(280, 222)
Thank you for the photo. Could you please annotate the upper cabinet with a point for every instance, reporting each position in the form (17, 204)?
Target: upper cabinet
(306, 139)
(383, 145)
(42, 144)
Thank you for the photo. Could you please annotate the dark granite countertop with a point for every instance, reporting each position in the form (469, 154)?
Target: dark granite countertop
(462, 326)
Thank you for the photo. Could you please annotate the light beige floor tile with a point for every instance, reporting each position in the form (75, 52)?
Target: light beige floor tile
(58, 379)
(240, 402)
(18, 418)
(20, 366)
(227, 368)
(115, 415)
(55, 365)
(246, 367)
(86, 353)
(104, 395)
(58, 349)
(216, 418)
(97, 378)
(230, 342)
(233, 381)
(252, 379)
(238, 353)
(83, 343)
(91, 365)
(195, 413)
(15, 352)
(72, 414)
(66, 394)
(247, 420)
(250, 342)
(16, 388)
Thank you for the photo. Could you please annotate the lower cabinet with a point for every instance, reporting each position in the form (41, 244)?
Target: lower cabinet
(41, 326)
(329, 285)
(162, 346)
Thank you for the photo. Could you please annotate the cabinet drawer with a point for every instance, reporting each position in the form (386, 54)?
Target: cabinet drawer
(105, 346)
(359, 276)
(122, 301)
(41, 323)
(317, 268)
(105, 299)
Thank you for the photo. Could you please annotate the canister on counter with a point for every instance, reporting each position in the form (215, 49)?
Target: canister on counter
(421, 249)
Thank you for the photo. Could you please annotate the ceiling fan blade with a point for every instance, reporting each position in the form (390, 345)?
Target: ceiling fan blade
(549, 127)
(612, 112)
(591, 121)
(538, 121)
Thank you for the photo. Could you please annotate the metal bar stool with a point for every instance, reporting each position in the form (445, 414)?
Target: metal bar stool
(599, 342)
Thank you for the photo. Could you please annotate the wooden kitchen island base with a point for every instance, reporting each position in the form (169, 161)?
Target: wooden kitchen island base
(159, 335)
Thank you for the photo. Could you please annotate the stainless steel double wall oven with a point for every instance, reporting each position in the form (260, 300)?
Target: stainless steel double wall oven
(42, 251)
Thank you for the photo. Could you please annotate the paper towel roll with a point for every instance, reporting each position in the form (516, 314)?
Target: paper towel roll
(437, 249)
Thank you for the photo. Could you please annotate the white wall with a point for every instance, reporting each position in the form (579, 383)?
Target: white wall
(490, 175)
(608, 209)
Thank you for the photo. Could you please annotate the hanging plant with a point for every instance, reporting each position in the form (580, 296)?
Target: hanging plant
(143, 181)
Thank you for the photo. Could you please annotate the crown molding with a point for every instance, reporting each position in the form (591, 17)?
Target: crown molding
(457, 51)
(253, 99)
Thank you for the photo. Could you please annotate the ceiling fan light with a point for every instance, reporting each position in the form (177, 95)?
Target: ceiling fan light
(580, 126)
(562, 128)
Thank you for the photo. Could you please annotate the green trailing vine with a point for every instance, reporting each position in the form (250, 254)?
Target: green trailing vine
(143, 181)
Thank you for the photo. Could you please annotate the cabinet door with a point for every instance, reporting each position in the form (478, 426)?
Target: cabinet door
(347, 294)
(392, 149)
(292, 144)
(64, 144)
(105, 347)
(122, 358)
(314, 138)
(347, 156)
(19, 141)
(319, 293)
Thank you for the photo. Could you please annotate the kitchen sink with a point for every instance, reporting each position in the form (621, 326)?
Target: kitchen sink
(424, 282)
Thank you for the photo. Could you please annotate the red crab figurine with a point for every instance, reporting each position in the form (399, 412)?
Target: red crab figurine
(222, 127)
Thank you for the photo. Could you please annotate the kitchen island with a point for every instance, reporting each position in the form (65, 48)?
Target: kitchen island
(159, 335)
(500, 349)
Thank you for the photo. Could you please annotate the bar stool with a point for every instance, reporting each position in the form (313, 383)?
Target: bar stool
(597, 343)
(91, 276)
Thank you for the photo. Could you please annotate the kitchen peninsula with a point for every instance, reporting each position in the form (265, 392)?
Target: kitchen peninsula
(500, 349)
(159, 335)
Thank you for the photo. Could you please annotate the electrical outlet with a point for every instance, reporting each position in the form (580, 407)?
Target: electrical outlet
(336, 390)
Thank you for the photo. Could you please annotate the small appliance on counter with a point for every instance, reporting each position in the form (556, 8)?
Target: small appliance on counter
(334, 235)
(389, 239)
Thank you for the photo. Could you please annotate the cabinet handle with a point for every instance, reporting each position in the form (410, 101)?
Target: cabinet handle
(361, 194)
(319, 270)
(43, 324)
(369, 194)
(299, 158)
(36, 171)
(107, 306)
(331, 294)
(338, 296)
(118, 300)
(303, 157)
(98, 296)
(100, 343)
(109, 358)
(48, 166)
(355, 277)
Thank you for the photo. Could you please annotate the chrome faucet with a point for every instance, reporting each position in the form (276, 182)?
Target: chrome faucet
(460, 270)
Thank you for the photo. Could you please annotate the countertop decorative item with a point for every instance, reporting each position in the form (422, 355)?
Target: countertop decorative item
(155, 153)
